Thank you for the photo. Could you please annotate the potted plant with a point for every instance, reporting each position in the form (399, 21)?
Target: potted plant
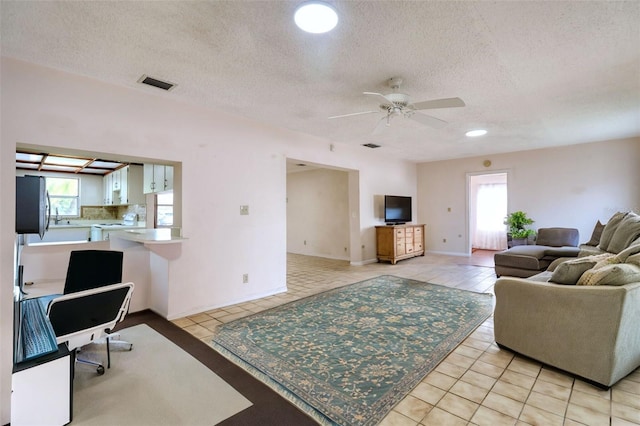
(517, 233)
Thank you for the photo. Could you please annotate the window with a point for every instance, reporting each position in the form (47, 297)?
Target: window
(65, 196)
(164, 209)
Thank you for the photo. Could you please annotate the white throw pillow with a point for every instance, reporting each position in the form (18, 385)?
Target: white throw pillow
(614, 274)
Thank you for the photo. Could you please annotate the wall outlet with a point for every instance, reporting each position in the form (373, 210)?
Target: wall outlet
(245, 278)
(244, 210)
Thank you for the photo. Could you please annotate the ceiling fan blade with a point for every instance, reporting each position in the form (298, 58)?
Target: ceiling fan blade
(379, 94)
(352, 114)
(440, 103)
(382, 124)
(427, 120)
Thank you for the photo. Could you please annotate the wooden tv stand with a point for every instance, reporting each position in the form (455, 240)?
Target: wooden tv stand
(397, 242)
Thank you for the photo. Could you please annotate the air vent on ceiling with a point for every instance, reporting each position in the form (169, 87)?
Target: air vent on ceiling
(164, 85)
(371, 145)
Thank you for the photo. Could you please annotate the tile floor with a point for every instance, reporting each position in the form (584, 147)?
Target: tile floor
(478, 383)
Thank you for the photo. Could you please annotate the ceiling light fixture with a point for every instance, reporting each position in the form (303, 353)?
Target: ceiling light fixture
(476, 133)
(316, 17)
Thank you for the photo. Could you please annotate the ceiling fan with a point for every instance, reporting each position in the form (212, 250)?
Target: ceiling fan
(399, 104)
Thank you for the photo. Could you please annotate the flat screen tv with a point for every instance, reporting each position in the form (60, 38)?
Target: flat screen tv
(397, 209)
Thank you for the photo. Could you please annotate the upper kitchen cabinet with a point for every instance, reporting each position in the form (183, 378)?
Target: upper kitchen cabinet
(124, 186)
(133, 186)
(157, 178)
(108, 190)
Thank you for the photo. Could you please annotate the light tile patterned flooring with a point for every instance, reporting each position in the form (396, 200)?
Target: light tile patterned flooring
(478, 383)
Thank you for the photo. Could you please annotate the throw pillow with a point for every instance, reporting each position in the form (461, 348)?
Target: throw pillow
(570, 271)
(634, 258)
(629, 251)
(615, 274)
(595, 236)
(627, 231)
(610, 229)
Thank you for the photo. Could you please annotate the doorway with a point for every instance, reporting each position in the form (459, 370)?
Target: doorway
(487, 194)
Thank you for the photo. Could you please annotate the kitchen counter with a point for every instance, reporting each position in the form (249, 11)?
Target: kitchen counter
(65, 225)
(149, 236)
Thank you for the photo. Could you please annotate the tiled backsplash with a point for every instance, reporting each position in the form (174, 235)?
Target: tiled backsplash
(112, 212)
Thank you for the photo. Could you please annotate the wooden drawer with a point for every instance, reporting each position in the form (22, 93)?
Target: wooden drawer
(399, 242)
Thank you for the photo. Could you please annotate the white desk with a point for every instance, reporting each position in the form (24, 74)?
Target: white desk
(42, 389)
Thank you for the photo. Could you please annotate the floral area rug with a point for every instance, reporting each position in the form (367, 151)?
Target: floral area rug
(349, 355)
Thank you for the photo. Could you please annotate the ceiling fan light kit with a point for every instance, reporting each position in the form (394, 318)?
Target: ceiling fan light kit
(399, 104)
(315, 17)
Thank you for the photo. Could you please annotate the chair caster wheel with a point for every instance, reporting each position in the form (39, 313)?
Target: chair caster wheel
(100, 370)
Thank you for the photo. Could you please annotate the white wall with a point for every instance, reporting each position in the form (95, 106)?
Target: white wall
(318, 213)
(572, 186)
(227, 161)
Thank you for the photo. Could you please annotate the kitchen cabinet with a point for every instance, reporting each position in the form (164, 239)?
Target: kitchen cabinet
(115, 179)
(397, 242)
(157, 178)
(124, 186)
(57, 234)
(108, 189)
(134, 185)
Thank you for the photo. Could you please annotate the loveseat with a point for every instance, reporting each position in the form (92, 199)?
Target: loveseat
(582, 314)
(527, 260)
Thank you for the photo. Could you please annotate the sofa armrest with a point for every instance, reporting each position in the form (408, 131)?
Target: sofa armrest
(590, 331)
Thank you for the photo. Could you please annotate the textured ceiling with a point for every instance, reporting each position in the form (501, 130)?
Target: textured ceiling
(535, 74)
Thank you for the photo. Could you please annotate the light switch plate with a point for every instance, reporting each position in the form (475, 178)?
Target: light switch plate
(244, 210)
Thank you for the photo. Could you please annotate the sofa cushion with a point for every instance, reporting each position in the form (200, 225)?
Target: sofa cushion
(613, 274)
(558, 237)
(595, 236)
(570, 271)
(586, 250)
(627, 231)
(521, 257)
(555, 252)
(610, 229)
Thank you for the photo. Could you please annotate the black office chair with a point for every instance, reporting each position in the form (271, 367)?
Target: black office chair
(83, 317)
(93, 268)
(90, 269)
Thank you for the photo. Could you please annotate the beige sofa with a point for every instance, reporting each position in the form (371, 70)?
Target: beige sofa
(587, 326)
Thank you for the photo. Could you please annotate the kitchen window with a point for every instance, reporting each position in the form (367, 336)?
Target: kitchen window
(65, 196)
(164, 209)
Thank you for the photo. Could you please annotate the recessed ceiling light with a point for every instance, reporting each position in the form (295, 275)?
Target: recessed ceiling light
(476, 133)
(316, 17)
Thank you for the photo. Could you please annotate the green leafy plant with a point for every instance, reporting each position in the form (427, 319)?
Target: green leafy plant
(517, 222)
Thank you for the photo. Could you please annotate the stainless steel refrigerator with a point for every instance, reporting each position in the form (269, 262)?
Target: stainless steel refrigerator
(32, 209)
